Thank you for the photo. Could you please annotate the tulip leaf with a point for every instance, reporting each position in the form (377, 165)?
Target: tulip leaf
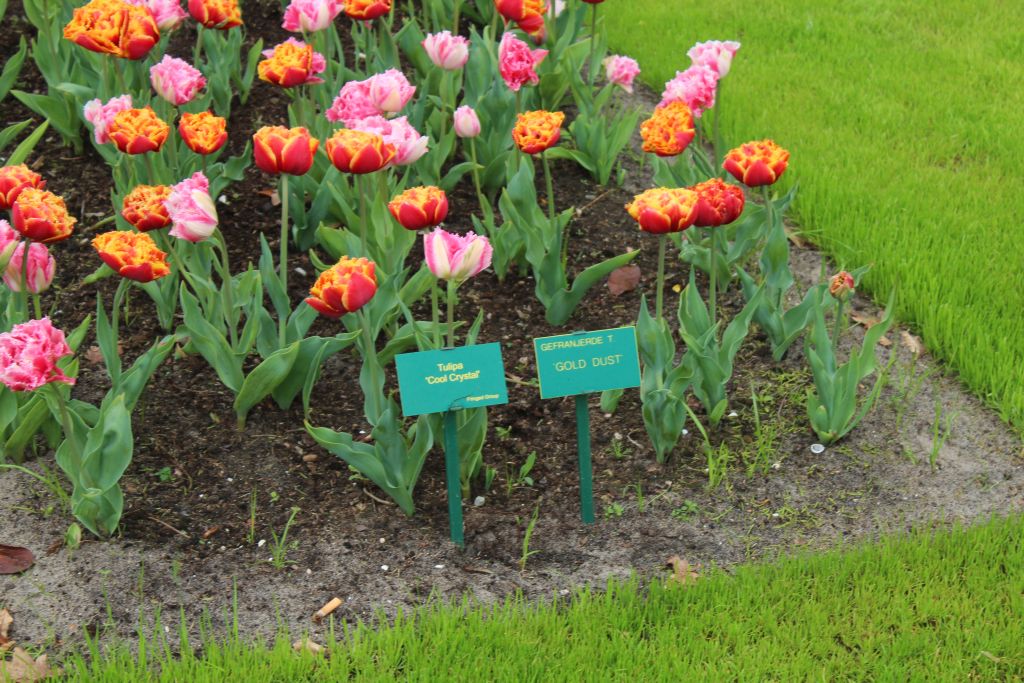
(21, 152)
(11, 132)
(263, 379)
(210, 343)
(12, 68)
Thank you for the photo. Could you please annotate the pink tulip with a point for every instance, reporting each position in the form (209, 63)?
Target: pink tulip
(390, 91)
(352, 104)
(518, 63)
(467, 123)
(409, 144)
(621, 71)
(168, 13)
(715, 55)
(191, 209)
(29, 355)
(38, 272)
(175, 80)
(101, 115)
(454, 257)
(9, 240)
(695, 87)
(447, 51)
(309, 16)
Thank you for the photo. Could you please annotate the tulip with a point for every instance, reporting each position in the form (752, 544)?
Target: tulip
(203, 133)
(277, 150)
(841, 286)
(518, 63)
(664, 210)
(41, 216)
(352, 104)
(138, 131)
(467, 123)
(669, 130)
(191, 209)
(114, 27)
(390, 91)
(101, 115)
(9, 241)
(14, 179)
(29, 355)
(292, 63)
(408, 143)
(718, 203)
(757, 163)
(356, 151)
(536, 131)
(695, 87)
(715, 55)
(621, 71)
(132, 255)
(309, 16)
(529, 14)
(419, 207)
(144, 208)
(37, 273)
(167, 13)
(456, 258)
(344, 288)
(175, 80)
(365, 10)
(217, 14)
(447, 51)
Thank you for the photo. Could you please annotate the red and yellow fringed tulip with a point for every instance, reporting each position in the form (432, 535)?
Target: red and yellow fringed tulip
(132, 255)
(529, 14)
(344, 288)
(138, 131)
(420, 207)
(41, 216)
(757, 163)
(277, 150)
(842, 285)
(218, 14)
(290, 64)
(669, 130)
(718, 203)
(14, 179)
(365, 10)
(356, 151)
(664, 209)
(114, 27)
(536, 131)
(144, 208)
(203, 133)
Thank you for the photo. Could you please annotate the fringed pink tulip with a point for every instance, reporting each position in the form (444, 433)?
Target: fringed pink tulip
(409, 144)
(714, 54)
(390, 91)
(621, 71)
(456, 258)
(192, 211)
(447, 51)
(175, 80)
(695, 87)
(29, 355)
(101, 115)
(518, 63)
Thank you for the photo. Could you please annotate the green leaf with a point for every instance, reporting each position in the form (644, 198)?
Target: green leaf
(21, 152)
(211, 343)
(264, 379)
(12, 68)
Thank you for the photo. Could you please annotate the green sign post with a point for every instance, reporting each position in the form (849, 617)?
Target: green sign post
(578, 365)
(445, 381)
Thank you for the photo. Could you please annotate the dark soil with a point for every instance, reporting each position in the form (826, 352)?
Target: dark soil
(184, 542)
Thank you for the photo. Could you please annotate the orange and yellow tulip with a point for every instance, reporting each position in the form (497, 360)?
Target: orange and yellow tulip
(138, 131)
(344, 288)
(356, 151)
(757, 163)
(132, 255)
(536, 131)
(41, 216)
(664, 209)
(144, 208)
(203, 133)
(669, 130)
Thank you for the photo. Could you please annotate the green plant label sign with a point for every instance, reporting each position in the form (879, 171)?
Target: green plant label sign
(451, 379)
(587, 362)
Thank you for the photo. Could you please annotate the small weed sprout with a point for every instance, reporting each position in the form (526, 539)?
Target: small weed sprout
(940, 433)
(613, 510)
(515, 480)
(686, 511)
(251, 534)
(527, 553)
(279, 546)
(504, 433)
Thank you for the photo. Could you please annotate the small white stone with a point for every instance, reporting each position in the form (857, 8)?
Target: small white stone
(817, 448)
(262, 543)
(382, 540)
(383, 567)
(775, 514)
(776, 465)
(222, 199)
(733, 414)
(300, 271)
(230, 480)
(438, 566)
(685, 432)
(564, 591)
(309, 572)
(223, 548)
(479, 501)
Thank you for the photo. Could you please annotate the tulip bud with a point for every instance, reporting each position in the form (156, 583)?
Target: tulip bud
(37, 274)
(420, 207)
(467, 123)
(841, 286)
(344, 288)
(456, 258)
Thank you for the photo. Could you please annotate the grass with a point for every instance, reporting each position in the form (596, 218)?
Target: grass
(940, 605)
(900, 117)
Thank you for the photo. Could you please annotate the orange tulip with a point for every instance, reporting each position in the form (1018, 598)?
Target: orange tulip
(719, 203)
(535, 131)
(277, 150)
(841, 286)
(344, 288)
(669, 130)
(367, 9)
(14, 179)
(664, 209)
(292, 63)
(132, 255)
(356, 151)
(144, 208)
(529, 14)
(137, 131)
(204, 133)
(419, 207)
(757, 163)
(41, 216)
(218, 14)
(114, 27)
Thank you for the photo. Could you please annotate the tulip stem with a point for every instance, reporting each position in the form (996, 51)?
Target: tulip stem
(37, 306)
(716, 145)
(115, 325)
(838, 328)
(371, 350)
(476, 179)
(551, 209)
(150, 169)
(660, 293)
(455, 21)
(228, 284)
(198, 51)
(282, 318)
(361, 189)
(451, 313)
(769, 213)
(444, 101)
(713, 289)
(436, 310)
(65, 418)
(23, 289)
(593, 45)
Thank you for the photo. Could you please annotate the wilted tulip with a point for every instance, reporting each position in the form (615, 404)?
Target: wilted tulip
(344, 288)
(132, 255)
(419, 207)
(663, 210)
(757, 163)
(203, 133)
(277, 150)
(144, 208)
(41, 216)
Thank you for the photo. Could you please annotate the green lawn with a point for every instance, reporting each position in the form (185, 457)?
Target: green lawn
(907, 138)
(929, 606)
